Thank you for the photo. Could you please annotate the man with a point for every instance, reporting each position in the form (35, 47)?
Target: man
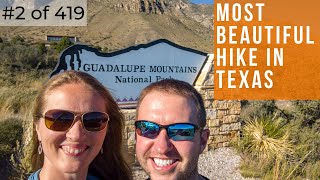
(170, 132)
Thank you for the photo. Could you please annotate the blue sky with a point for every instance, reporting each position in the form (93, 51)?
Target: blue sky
(202, 1)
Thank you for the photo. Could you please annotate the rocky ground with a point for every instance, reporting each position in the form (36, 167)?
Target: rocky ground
(221, 164)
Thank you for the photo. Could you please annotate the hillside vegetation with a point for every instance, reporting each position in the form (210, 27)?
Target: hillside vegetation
(24, 67)
(280, 143)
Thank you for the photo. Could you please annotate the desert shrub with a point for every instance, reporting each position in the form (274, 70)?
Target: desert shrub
(11, 131)
(63, 44)
(4, 45)
(20, 58)
(309, 112)
(306, 141)
(11, 136)
(251, 109)
(41, 48)
(17, 39)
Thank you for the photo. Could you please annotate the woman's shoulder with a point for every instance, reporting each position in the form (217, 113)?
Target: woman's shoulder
(34, 176)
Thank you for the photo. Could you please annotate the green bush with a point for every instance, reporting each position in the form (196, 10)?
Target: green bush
(42, 48)
(309, 112)
(251, 109)
(17, 39)
(17, 58)
(63, 44)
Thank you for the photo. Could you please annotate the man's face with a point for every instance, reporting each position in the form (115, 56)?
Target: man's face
(161, 157)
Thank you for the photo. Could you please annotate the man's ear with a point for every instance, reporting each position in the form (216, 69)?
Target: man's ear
(204, 136)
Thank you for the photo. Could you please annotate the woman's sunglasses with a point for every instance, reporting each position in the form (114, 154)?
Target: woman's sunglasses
(62, 120)
(177, 131)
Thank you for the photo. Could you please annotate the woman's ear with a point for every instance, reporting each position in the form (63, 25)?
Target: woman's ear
(36, 124)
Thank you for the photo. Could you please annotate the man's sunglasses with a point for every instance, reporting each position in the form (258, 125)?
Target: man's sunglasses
(62, 120)
(177, 131)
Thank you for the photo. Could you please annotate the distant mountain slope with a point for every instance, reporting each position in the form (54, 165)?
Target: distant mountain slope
(117, 24)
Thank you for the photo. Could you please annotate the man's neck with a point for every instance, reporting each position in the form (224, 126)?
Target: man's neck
(196, 176)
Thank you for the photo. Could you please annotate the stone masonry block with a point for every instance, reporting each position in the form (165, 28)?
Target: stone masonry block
(219, 145)
(230, 127)
(211, 113)
(221, 138)
(208, 104)
(214, 130)
(214, 123)
(131, 139)
(220, 104)
(208, 95)
(230, 119)
(129, 123)
(221, 113)
(235, 108)
(225, 144)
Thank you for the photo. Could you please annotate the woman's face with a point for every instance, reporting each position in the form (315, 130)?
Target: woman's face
(73, 150)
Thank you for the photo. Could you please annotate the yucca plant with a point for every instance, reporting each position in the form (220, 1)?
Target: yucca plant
(266, 137)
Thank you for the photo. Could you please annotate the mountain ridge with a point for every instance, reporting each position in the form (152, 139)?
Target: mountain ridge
(114, 25)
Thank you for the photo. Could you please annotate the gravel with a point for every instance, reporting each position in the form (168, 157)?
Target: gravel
(220, 164)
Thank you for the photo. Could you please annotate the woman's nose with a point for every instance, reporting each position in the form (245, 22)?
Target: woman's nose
(77, 130)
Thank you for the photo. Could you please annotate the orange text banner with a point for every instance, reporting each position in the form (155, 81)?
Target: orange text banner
(267, 50)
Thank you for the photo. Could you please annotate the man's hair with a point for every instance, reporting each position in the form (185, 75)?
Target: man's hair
(176, 87)
(110, 164)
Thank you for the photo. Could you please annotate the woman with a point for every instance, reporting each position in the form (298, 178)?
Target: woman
(78, 130)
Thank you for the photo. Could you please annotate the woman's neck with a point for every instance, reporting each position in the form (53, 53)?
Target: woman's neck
(51, 173)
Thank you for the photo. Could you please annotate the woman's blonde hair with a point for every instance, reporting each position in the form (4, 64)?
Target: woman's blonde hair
(110, 164)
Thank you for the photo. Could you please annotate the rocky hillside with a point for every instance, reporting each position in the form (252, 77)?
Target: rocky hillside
(117, 24)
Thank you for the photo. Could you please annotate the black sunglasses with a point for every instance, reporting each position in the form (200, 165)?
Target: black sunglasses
(177, 131)
(62, 120)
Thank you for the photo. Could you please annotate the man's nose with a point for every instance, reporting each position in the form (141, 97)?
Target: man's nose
(163, 143)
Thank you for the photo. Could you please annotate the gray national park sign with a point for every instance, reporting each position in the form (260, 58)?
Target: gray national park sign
(126, 72)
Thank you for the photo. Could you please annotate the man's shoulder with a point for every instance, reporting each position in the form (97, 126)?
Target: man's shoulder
(200, 175)
(204, 177)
